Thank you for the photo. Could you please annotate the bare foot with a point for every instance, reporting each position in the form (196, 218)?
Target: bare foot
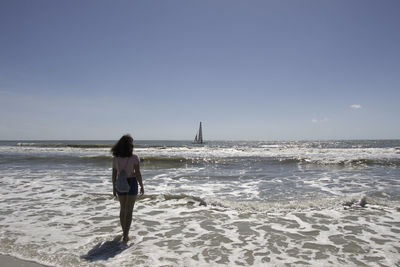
(126, 239)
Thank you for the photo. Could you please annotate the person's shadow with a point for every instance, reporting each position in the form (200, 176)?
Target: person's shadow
(106, 250)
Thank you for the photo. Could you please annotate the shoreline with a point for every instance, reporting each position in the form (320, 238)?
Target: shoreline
(11, 261)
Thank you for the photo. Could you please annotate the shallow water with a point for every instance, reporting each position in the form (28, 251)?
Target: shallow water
(224, 203)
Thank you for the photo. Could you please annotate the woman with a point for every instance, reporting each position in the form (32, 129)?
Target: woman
(124, 159)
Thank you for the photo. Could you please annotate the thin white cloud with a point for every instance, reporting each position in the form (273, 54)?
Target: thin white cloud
(319, 120)
(355, 106)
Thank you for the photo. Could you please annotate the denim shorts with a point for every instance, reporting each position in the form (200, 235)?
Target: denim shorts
(133, 187)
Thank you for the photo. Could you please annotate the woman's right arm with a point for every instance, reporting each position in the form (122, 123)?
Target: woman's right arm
(114, 177)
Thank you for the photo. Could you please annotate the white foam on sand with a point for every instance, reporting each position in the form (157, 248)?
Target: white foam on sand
(181, 231)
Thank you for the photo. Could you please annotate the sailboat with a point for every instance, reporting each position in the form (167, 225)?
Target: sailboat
(199, 136)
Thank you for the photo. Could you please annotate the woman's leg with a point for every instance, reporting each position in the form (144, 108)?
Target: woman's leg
(130, 203)
(122, 212)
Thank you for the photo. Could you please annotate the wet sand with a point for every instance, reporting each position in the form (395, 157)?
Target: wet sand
(14, 262)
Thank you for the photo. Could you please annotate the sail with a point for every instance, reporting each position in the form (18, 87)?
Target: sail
(199, 136)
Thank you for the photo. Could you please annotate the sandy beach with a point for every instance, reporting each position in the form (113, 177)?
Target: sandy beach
(14, 262)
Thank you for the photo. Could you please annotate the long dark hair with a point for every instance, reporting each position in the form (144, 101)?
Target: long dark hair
(124, 147)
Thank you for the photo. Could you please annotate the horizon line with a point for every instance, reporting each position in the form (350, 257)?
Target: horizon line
(215, 140)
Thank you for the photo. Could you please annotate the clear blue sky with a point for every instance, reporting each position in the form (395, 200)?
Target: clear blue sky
(253, 70)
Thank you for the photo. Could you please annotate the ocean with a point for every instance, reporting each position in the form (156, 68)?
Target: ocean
(224, 203)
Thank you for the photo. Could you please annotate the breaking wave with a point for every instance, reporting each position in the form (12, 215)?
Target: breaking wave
(344, 202)
(343, 162)
(173, 160)
(60, 145)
